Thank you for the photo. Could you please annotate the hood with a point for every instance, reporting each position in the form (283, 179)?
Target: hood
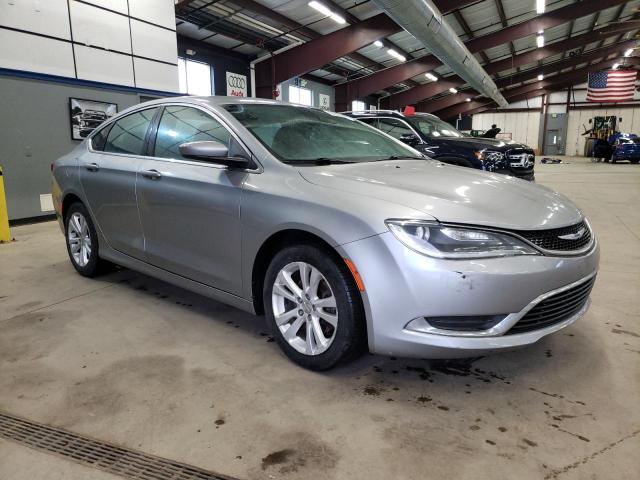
(451, 194)
(479, 143)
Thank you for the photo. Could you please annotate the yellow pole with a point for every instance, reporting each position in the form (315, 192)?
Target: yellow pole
(5, 235)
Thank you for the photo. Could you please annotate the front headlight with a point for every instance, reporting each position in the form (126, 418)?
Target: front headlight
(441, 241)
(489, 156)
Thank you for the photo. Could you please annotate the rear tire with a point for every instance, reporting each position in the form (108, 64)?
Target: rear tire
(313, 307)
(82, 242)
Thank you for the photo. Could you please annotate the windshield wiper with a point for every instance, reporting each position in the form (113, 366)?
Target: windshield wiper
(403, 157)
(318, 161)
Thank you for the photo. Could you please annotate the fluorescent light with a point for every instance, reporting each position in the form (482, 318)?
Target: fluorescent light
(540, 77)
(378, 44)
(628, 52)
(323, 9)
(395, 54)
(431, 77)
(453, 90)
(540, 39)
(540, 4)
(338, 18)
(615, 65)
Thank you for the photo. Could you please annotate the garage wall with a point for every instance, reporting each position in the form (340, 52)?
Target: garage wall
(316, 87)
(122, 42)
(523, 126)
(38, 131)
(579, 119)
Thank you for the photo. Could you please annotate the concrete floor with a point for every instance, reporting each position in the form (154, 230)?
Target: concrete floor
(131, 360)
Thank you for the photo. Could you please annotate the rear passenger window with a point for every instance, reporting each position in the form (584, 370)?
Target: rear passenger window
(185, 124)
(127, 134)
(100, 138)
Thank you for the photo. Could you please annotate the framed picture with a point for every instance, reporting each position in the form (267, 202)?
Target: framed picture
(86, 115)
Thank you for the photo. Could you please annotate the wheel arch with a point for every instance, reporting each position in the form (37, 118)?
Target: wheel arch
(68, 200)
(271, 246)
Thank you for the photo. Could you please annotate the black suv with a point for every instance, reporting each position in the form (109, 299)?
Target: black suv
(439, 140)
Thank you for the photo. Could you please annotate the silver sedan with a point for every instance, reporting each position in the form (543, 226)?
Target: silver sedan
(343, 237)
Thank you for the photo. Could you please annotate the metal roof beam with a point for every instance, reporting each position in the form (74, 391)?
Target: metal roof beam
(377, 81)
(515, 94)
(419, 94)
(321, 51)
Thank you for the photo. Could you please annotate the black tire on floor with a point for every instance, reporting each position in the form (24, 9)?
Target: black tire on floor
(350, 336)
(95, 265)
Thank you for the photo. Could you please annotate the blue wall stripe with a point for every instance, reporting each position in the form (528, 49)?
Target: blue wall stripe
(7, 72)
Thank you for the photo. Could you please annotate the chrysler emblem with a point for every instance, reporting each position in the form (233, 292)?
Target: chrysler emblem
(573, 236)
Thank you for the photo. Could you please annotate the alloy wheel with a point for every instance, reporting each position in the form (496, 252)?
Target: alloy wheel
(304, 308)
(79, 239)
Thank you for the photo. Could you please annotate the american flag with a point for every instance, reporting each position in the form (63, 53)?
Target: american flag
(611, 86)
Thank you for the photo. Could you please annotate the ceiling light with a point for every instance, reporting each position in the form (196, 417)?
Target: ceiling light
(628, 52)
(378, 44)
(540, 39)
(321, 8)
(431, 77)
(540, 77)
(468, 99)
(540, 4)
(338, 18)
(395, 54)
(615, 65)
(453, 90)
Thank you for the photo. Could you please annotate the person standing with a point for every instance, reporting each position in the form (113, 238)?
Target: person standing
(492, 132)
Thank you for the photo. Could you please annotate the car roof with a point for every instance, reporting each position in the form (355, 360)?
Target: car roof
(386, 113)
(214, 101)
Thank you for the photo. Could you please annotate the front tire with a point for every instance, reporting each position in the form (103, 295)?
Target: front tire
(82, 242)
(313, 307)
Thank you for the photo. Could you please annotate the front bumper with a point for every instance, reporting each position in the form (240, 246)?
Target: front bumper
(402, 285)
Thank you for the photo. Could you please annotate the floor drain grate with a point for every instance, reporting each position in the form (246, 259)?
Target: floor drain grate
(97, 454)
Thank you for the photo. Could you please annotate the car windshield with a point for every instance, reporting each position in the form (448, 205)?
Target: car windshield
(310, 136)
(433, 127)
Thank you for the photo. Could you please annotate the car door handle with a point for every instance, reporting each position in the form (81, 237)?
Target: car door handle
(92, 167)
(152, 174)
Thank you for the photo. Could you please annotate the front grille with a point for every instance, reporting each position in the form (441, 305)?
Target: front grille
(550, 239)
(554, 309)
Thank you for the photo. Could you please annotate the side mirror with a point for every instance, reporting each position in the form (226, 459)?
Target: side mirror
(409, 138)
(211, 151)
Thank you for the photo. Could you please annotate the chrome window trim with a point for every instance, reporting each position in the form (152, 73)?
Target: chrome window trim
(510, 320)
(259, 168)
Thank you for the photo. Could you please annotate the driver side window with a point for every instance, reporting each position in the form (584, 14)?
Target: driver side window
(180, 124)
(395, 128)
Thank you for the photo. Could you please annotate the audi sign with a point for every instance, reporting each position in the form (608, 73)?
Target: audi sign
(236, 85)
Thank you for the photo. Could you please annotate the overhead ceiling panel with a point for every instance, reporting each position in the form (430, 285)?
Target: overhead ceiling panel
(482, 18)
(192, 31)
(223, 41)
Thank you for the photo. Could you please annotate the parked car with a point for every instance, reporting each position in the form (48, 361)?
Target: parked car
(626, 148)
(89, 120)
(341, 235)
(439, 140)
